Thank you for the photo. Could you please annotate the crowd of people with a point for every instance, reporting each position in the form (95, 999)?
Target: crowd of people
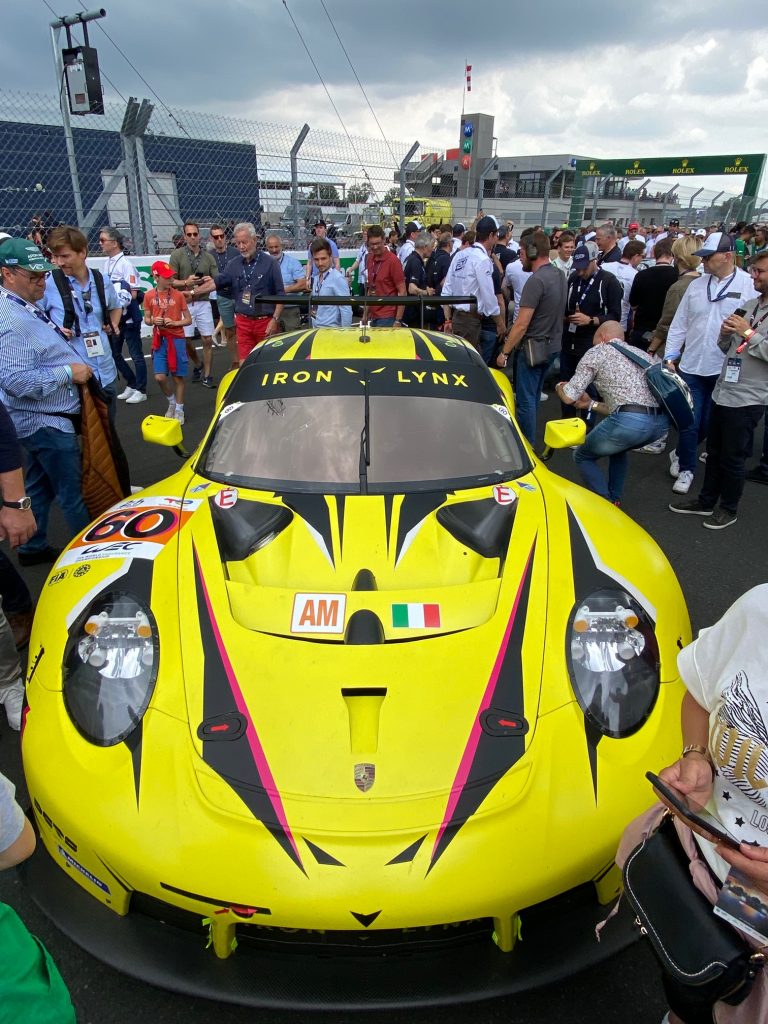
(592, 308)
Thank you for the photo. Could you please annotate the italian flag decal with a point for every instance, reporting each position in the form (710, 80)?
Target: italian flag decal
(416, 616)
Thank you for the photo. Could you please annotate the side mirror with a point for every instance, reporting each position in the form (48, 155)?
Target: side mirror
(223, 387)
(165, 431)
(563, 434)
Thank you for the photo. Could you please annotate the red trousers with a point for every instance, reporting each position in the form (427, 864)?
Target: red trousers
(250, 331)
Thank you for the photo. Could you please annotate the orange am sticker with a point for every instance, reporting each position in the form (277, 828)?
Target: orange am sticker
(318, 613)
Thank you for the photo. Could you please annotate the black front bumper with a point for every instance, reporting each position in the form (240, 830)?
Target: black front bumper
(558, 940)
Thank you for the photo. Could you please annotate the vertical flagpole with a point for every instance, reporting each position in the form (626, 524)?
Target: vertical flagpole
(464, 91)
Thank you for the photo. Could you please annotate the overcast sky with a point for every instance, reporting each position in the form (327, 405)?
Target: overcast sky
(602, 79)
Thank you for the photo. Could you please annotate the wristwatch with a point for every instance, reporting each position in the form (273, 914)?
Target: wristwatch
(23, 504)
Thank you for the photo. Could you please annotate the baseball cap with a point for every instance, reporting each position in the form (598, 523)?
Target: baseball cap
(487, 223)
(700, 233)
(634, 226)
(674, 223)
(458, 228)
(413, 225)
(18, 252)
(3, 235)
(589, 235)
(320, 224)
(583, 255)
(718, 241)
(162, 269)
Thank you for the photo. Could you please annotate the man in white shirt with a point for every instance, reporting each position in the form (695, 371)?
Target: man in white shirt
(412, 228)
(124, 276)
(633, 235)
(626, 270)
(458, 236)
(515, 277)
(720, 290)
(471, 273)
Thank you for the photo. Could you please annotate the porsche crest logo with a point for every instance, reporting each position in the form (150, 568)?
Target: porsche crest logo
(365, 776)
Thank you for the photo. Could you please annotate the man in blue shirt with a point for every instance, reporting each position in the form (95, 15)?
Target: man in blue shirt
(89, 338)
(294, 279)
(328, 281)
(39, 371)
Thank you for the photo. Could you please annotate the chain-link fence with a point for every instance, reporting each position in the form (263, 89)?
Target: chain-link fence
(147, 170)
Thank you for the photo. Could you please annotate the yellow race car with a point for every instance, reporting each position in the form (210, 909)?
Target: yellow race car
(363, 689)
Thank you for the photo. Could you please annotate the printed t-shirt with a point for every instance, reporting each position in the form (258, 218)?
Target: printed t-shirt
(170, 304)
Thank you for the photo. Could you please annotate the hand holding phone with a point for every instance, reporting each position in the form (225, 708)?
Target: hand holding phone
(698, 818)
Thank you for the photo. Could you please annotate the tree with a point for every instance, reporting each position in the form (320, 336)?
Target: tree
(327, 194)
(358, 193)
(392, 198)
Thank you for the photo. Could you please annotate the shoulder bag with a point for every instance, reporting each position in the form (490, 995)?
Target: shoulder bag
(667, 387)
(694, 947)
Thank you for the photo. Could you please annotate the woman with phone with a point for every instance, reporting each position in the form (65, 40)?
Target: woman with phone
(723, 767)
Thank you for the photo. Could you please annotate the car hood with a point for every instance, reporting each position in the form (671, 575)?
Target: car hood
(363, 649)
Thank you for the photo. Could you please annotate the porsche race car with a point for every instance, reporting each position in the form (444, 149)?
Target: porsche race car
(363, 683)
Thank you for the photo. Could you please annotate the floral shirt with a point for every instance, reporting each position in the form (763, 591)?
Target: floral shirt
(618, 379)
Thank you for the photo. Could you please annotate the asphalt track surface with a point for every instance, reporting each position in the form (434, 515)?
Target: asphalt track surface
(714, 569)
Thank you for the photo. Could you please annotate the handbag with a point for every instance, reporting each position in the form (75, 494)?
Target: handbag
(667, 387)
(535, 351)
(694, 947)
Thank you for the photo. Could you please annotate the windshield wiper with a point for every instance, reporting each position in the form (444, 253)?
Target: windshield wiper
(365, 441)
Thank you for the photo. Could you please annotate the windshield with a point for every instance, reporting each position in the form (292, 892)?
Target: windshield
(319, 442)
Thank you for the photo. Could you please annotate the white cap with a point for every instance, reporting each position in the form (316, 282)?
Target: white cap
(4, 235)
(701, 233)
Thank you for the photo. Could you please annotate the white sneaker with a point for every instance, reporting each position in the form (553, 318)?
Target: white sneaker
(170, 412)
(674, 463)
(13, 699)
(543, 396)
(125, 395)
(218, 341)
(703, 457)
(683, 483)
(179, 415)
(655, 447)
(135, 398)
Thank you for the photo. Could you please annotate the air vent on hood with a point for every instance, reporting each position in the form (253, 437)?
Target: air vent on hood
(247, 526)
(484, 525)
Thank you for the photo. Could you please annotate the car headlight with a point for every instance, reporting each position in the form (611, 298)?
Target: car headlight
(110, 667)
(613, 660)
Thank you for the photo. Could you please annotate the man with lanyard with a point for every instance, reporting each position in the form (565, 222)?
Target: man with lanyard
(471, 273)
(328, 281)
(191, 265)
(720, 290)
(385, 277)
(593, 298)
(87, 333)
(247, 278)
(608, 248)
(123, 275)
(294, 279)
(39, 374)
(738, 404)
(540, 317)
(222, 253)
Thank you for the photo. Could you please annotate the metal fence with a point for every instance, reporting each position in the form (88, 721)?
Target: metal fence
(145, 170)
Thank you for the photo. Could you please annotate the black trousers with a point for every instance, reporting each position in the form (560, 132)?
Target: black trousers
(729, 445)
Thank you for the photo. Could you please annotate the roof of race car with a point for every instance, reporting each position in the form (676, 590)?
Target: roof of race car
(378, 343)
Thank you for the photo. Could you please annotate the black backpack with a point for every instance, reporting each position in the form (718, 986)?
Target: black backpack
(71, 321)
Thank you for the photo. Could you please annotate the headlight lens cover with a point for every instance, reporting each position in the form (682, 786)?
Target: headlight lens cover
(613, 660)
(110, 667)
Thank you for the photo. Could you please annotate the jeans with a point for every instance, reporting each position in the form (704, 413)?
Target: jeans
(135, 378)
(729, 445)
(614, 437)
(53, 471)
(691, 437)
(487, 344)
(764, 454)
(382, 321)
(529, 381)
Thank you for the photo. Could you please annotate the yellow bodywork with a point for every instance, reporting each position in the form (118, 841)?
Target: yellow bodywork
(363, 753)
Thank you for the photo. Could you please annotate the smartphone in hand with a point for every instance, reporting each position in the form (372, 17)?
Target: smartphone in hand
(698, 818)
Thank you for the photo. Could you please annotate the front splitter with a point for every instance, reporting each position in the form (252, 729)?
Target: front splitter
(558, 940)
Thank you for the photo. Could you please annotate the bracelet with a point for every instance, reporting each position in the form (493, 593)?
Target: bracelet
(276, 319)
(592, 405)
(697, 748)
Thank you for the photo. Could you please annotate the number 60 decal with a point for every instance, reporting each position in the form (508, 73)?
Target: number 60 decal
(131, 524)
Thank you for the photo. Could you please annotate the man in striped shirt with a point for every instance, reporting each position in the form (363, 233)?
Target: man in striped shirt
(39, 371)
